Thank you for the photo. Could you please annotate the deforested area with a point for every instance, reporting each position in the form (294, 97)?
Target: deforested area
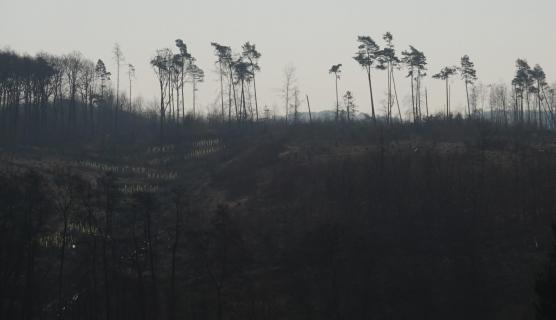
(261, 162)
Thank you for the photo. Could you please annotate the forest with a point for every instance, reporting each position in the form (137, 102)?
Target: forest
(114, 209)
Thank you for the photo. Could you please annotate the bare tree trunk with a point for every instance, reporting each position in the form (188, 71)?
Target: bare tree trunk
(256, 102)
(194, 96)
(337, 100)
(162, 111)
(371, 92)
(427, 102)
(130, 106)
(230, 101)
(222, 89)
(182, 95)
(396, 95)
(309, 108)
(447, 100)
(389, 115)
(539, 103)
(234, 92)
(244, 110)
(468, 103)
(528, 107)
(413, 98)
(418, 91)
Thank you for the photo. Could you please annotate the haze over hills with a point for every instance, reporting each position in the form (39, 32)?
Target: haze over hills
(277, 160)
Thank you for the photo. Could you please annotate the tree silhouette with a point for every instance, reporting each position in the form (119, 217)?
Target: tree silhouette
(196, 75)
(445, 75)
(242, 73)
(539, 78)
(469, 76)
(252, 55)
(73, 64)
(367, 55)
(224, 57)
(349, 102)
(387, 61)
(161, 70)
(103, 76)
(416, 62)
(522, 83)
(119, 59)
(183, 58)
(131, 76)
(289, 84)
(335, 69)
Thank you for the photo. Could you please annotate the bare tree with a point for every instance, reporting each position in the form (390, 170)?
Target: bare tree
(287, 87)
(73, 63)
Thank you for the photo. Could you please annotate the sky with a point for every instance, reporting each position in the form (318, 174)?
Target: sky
(311, 35)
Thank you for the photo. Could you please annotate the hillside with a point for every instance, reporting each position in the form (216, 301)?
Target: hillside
(444, 220)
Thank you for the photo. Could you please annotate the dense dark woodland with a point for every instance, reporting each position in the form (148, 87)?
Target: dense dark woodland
(109, 212)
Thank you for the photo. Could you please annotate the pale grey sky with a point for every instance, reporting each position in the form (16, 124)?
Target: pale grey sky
(310, 34)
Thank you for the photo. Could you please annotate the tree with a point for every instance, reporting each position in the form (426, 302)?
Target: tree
(522, 83)
(224, 57)
(349, 102)
(242, 72)
(416, 62)
(388, 60)
(131, 76)
(86, 86)
(252, 55)
(73, 64)
(539, 78)
(335, 69)
(103, 76)
(176, 82)
(469, 76)
(65, 202)
(183, 58)
(160, 67)
(289, 83)
(196, 75)
(295, 105)
(224, 254)
(367, 55)
(118, 58)
(445, 75)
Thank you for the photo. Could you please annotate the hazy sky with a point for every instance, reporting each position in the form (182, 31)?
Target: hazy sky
(310, 34)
